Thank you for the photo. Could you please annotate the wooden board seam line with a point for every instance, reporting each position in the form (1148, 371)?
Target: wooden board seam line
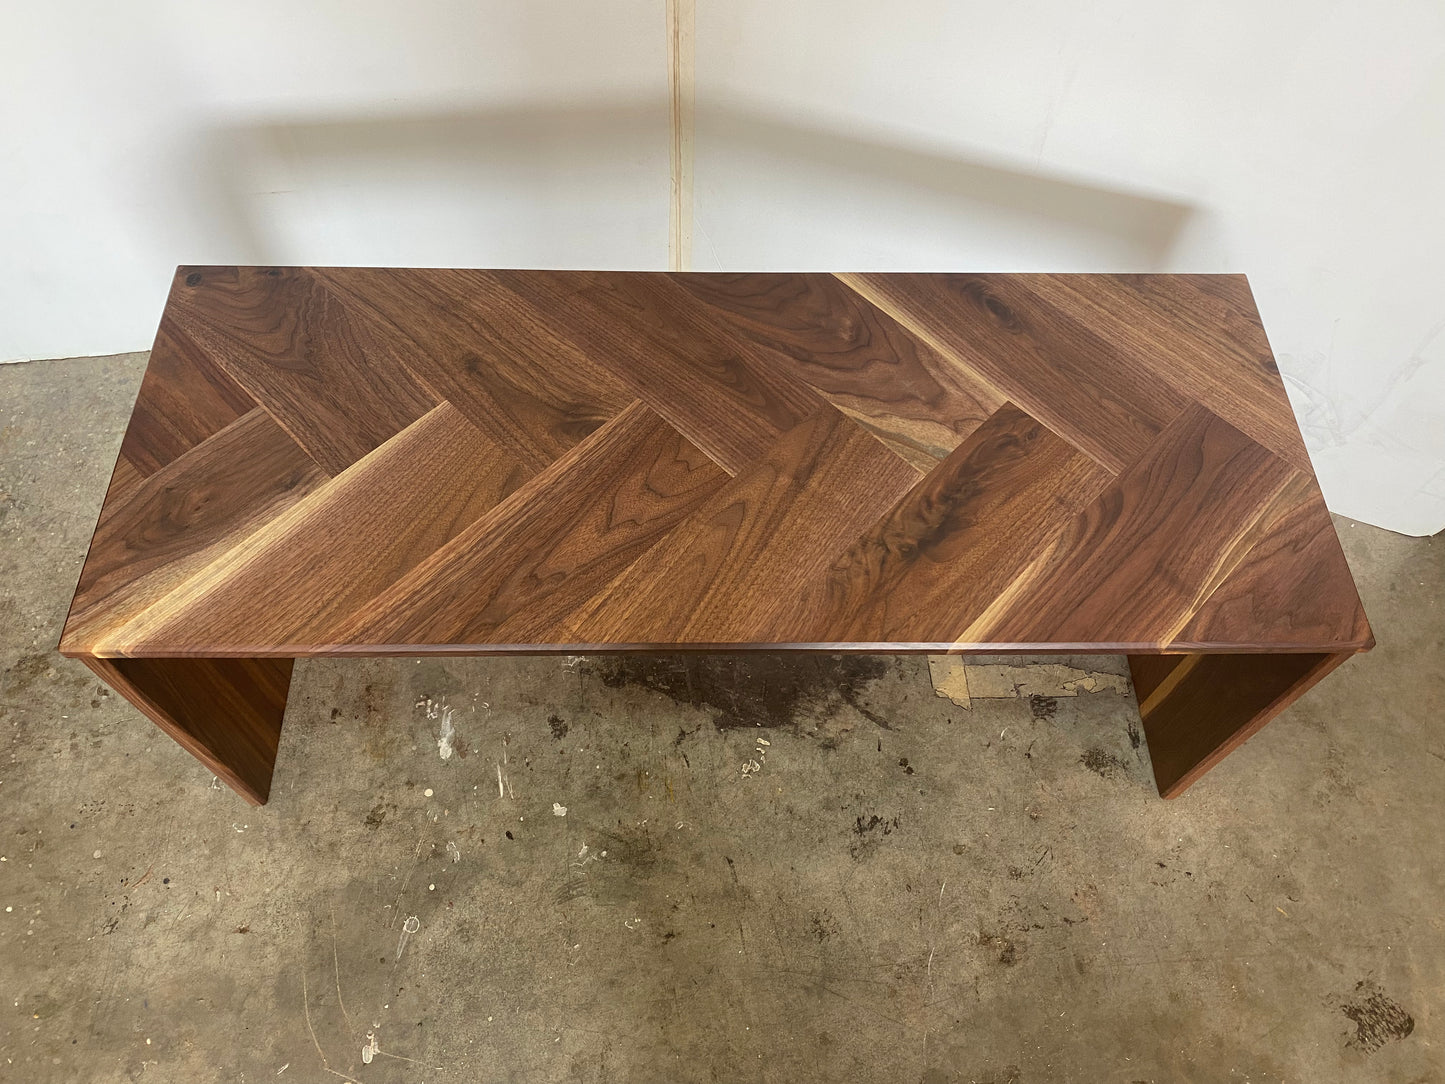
(195, 587)
(855, 283)
(152, 581)
(1232, 555)
(1169, 684)
(101, 517)
(1004, 600)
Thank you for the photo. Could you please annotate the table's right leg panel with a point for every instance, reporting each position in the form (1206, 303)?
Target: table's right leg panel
(225, 712)
(1197, 708)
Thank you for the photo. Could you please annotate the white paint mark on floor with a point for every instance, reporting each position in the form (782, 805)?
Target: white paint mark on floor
(558, 809)
(409, 927)
(448, 734)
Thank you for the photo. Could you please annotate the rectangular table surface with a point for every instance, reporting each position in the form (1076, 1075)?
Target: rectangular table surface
(328, 461)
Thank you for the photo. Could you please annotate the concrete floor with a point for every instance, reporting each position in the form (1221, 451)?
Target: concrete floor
(904, 890)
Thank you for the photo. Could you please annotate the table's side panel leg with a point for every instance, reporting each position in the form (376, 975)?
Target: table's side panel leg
(1197, 708)
(226, 712)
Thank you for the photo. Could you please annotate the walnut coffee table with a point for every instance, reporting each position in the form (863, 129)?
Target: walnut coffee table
(348, 461)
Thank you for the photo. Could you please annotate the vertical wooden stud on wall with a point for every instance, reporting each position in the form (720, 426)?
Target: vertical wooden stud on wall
(680, 84)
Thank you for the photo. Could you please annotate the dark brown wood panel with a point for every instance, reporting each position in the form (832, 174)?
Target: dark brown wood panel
(1199, 334)
(858, 357)
(184, 398)
(1056, 368)
(1151, 672)
(328, 375)
(125, 483)
(729, 397)
(311, 571)
(516, 573)
(729, 573)
(493, 354)
(225, 712)
(1207, 539)
(182, 517)
(1213, 704)
(1286, 588)
(1147, 552)
(938, 558)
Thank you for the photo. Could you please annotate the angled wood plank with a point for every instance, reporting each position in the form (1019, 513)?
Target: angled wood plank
(125, 482)
(728, 573)
(179, 519)
(1199, 334)
(225, 712)
(1052, 366)
(492, 354)
(1149, 550)
(307, 573)
(1287, 587)
(731, 399)
(184, 398)
(938, 558)
(330, 377)
(559, 539)
(858, 357)
(1215, 703)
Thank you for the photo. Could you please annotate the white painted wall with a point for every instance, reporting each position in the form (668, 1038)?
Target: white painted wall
(135, 136)
(1301, 142)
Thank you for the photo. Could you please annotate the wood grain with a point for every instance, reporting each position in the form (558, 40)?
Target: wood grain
(493, 355)
(304, 577)
(1152, 547)
(184, 398)
(728, 397)
(858, 358)
(331, 461)
(430, 396)
(330, 378)
(938, 558)
(727, 573)
(1286, 585)
(517, 572)
(225, 712)
(1216, 703)
(1057, 368)
(1199, 334)
(180, 519)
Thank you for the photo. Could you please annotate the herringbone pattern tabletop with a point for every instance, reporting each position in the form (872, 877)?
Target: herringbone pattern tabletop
(327, 461)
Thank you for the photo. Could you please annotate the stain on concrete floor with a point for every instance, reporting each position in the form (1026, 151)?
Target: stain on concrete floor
(1378, 1019)
(902, 889)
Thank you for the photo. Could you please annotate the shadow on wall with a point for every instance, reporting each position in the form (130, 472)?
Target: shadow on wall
(588, 187)
(850, 201)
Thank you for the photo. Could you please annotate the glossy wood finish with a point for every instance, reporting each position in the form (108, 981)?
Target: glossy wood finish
(225, 712)
(387, 461)
(1198, 708)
